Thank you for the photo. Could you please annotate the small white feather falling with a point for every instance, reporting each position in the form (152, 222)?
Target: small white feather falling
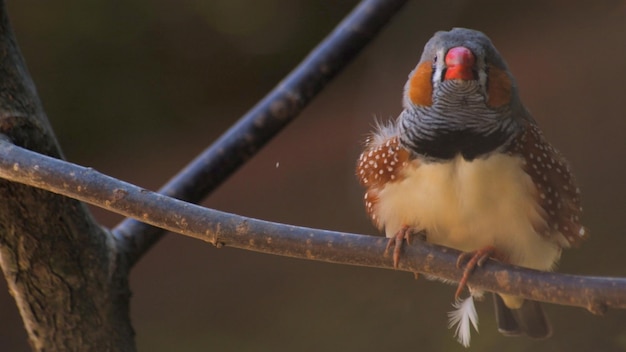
(461, 317)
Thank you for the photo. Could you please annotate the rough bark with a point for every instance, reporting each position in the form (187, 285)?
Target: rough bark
(61, 267)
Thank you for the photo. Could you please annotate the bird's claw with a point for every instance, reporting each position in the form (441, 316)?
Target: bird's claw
(397, 242)
(476, 258)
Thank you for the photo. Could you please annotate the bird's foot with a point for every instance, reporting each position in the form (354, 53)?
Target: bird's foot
(476, 258)
(397, 242)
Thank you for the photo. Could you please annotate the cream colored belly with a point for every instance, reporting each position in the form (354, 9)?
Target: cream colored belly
(469, 205)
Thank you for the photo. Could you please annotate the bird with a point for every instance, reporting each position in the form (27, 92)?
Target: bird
(466, 166)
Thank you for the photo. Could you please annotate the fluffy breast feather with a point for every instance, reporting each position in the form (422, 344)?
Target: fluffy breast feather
(470, 205)
(461, 204)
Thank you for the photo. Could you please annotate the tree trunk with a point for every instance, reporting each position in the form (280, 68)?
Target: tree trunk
(65, 272)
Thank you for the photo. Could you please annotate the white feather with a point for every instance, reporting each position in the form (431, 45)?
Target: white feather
(461, 317)
(383, 132)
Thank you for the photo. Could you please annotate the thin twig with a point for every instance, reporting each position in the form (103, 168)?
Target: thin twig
(219, 228)
(266, 119)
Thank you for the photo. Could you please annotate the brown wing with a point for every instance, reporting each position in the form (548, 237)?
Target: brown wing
(380, 163)
(557, 193)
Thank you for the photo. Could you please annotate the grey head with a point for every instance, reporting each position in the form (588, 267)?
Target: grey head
(460, 99)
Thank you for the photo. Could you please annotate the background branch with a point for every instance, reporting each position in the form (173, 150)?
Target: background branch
(266, 119)
(21, 165)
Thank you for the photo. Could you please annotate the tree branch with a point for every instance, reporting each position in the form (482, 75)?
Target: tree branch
(266, 119)
(21, 165)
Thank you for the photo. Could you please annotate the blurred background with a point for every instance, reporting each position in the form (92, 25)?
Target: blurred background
(137, 88)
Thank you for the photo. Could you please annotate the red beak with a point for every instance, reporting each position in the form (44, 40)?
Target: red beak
(460, 63)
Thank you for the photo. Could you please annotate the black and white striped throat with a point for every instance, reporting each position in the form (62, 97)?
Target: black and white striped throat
(459, 122)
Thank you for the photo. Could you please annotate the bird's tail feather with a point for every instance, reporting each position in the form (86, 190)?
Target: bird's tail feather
(529, 319)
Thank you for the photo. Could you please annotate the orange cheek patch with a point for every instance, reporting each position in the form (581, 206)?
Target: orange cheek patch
(420, 90)
(499, 87)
